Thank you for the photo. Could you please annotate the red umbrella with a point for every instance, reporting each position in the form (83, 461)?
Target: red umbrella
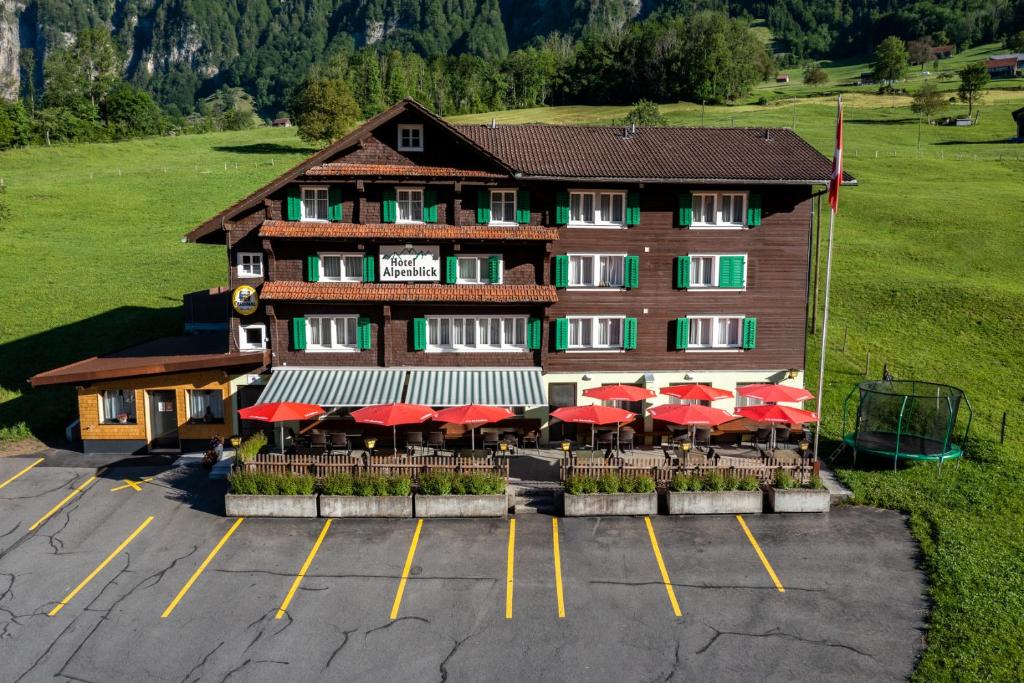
(773, 393)
(593, 415)
(472, 414)
(777, 414)
(619, 392)
(281, 411)
(690, 414)
(393, 414)
(696, 392)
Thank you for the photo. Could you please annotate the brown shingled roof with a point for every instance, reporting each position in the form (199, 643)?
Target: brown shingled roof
(417, 292)
(334, 170)
(403, 231)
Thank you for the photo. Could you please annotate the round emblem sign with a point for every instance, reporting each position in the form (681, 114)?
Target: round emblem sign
(244, 300)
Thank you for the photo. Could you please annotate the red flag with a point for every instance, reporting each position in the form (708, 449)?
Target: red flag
(836, 178)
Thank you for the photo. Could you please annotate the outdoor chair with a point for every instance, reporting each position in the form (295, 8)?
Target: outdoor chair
(702, 438)
(532, 439)
(606, 442)
(338, 441)
(761, 437)
(490, 443)
(435, 441)
(626, 438)
(782, 435)
(318, 440)
(413, 440)
(512, 439)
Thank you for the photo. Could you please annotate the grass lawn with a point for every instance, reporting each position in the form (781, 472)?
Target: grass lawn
(927, 280)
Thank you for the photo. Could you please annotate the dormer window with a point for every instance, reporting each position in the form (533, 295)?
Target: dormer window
(410, 137)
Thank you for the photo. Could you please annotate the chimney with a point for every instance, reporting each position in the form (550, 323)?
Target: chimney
(494, 123)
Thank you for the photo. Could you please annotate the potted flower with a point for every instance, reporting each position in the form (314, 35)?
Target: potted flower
(714, 492)
(452, 494)
(365, 495)
(261, 494)
(122, 418)
(787, 494)
(610, 494)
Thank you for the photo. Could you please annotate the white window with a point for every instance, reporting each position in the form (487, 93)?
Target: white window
(250, 264)
(252, 337)
(503, 207)
(597, 209)
(715, 332)
(205, 406)
(118, 406)
(314, 203)
(719, 209)
(331, 333)
(341, 267)
(410, 137)
(596, 270)
(410, 205)
(595, 333)
(476, 334)
(705, 271)
(476, 270)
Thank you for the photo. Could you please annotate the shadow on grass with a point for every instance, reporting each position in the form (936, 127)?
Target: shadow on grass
(883, 122)
(1004, 141)
(264, 148)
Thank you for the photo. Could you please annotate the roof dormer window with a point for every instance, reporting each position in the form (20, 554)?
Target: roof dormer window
(410, 137)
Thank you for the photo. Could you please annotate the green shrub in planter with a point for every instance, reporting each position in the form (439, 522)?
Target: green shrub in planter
(460, 485)
(243, 483)
(264, 484)
(400, 486)
(609, 483)
(748, 483)
(685, 482)
(638, 484)
(247, 450)
(815, 482)
(714, 481)
(436, 483)
(337, 485)
(578, 485)
(296, 485)
(784, 480)
(439, 483)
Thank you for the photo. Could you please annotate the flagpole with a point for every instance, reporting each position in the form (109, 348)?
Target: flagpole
(824, 331)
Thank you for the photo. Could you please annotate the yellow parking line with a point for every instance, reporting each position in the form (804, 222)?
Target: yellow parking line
(406, 570)
(22, 472)
(201, 569)
(661, 567)
(58, 506)
(511, 567)
(104, 563)
(128, 483)
(302, 572)
(757, 549)
(558, 569)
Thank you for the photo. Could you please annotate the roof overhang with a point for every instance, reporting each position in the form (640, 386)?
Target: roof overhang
(99, 368)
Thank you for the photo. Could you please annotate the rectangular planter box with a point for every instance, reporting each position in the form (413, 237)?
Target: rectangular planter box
(606, 504)
(366, 506)
(799, 500)
(715, 502)
(269, 506)
(495, 505)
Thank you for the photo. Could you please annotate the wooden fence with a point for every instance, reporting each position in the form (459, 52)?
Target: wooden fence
(324, 465)
(662, 470)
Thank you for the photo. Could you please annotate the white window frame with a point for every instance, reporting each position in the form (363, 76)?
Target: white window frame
(598, 222)
(341, 255)
(398, 204)
(483, 276)
(718, 223)
(302, 202)
(112, 419)
(334, 346)
(243, 345)
(188, 407)
(478, 321)
(594, 344)
(240, 265)
(716, 344)
(714, 274)
(410, 127)
(595, 265)
(515, 205)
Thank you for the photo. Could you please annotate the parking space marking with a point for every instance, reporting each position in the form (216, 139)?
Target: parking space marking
(78, 489)
(757, 549)
(661, 567)
(128, 483)
(559, 596)
(92, 575)
(22, 472)
(406, 570)
(202, 567)
(302, 571)
(511, 567)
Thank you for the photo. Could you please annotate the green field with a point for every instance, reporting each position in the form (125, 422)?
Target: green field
(927, 280)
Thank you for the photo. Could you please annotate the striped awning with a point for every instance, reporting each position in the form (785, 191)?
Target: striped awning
(491, 387)
(334, 388)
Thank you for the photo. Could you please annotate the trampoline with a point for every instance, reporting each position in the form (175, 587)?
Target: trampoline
(908, 420)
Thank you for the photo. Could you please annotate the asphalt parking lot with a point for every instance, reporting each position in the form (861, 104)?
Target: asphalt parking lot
(106, 580)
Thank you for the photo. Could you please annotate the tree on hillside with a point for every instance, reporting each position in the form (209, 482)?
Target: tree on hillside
(15, 125)
(1015, 42)
(920, 50)
(973, 79)
(131, 112)
(815, 75)
(890, 63)
(928, 101)
(644, 113)
(323, 109)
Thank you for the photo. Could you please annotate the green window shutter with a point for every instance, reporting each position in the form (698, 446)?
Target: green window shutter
(730, 272)
(632, 208)
(334, 203)
(523, 207)
(682, 333)
(429, 205)
(483, 206)
(299, 334)
(312, 268)
(451, 269)
(533, 334)
(388, 206)
(749, 333)
(631, 276)
(562, 271)
(293, 204)
(629, 333)
(682, 272)
(562, 208)
(369, 268)
(494, 269)
(419, 334)
(685, 209)
(364, 335)
(561, 334)
(754, 209)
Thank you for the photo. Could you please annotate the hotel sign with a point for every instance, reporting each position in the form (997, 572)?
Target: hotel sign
(413, 263)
